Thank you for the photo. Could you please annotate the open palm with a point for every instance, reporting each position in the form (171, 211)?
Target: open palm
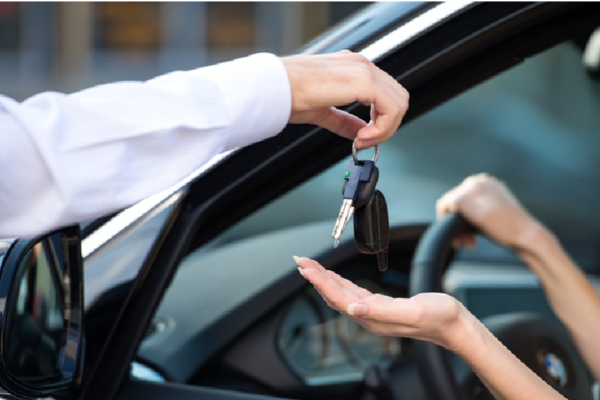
(428, 316)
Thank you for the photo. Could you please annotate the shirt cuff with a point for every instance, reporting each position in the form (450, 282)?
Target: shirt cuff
(258, 95)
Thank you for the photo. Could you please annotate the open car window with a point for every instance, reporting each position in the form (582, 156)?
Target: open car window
(519, 126)
(536, 127)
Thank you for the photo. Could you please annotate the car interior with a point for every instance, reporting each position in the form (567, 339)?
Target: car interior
(238, 316)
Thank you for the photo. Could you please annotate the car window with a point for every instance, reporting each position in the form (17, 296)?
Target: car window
(536, 127)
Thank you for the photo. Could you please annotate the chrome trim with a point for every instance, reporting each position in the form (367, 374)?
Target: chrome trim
(412, 28)
(131, 215)
(93, 252)
(373, 52)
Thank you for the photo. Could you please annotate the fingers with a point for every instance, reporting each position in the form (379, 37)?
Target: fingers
(468, 194)
(374, 114)
(340, 122)
(418, 317)
(389, 103)
(307, 263)
(452, 201)
(381, 308)
(335, 290)
(336, 295)
(489, 205)
(350, 286)
(321, 82)
(386, 316)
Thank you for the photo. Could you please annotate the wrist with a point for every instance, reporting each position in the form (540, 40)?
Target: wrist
(543, 254)
(531, 238)
(465, 332)
(294, 71)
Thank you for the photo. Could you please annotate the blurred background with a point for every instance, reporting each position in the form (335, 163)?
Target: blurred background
(72, 45)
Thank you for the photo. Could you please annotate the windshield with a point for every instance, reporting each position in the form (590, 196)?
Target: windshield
(520, 126)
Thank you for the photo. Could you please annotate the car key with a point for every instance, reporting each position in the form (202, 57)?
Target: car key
(360, 180)
(372, 229)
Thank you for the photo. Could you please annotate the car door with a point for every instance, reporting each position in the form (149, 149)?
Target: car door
(439, 53)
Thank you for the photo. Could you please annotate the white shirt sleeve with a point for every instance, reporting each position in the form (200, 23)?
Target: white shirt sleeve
(68, 158)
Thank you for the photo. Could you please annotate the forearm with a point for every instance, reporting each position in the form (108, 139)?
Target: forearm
(571, 295)
(506, 377)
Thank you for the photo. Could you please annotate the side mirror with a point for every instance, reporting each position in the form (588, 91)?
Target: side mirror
(41, 314)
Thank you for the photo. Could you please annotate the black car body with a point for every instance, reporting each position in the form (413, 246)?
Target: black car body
(223, 329)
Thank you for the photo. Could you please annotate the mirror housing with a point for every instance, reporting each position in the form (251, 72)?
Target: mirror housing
(41, 314)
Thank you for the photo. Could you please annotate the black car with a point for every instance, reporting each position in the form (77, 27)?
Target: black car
(193, 293)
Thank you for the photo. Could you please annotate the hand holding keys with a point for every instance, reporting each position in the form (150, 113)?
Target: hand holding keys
(368, 206)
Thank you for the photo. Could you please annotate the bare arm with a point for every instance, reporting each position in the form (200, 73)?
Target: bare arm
(488, 204)
(571, 295)
(506, 377)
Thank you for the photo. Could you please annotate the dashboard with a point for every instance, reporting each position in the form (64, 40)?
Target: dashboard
(258, 326)
(323, 347)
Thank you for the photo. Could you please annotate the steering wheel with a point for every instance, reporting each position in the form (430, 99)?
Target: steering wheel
(541, 343)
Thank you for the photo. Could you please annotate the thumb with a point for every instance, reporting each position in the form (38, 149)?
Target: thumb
(384, 309)
(339, 122)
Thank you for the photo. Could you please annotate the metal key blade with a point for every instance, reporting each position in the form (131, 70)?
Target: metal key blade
(348, 218)
(342, 220)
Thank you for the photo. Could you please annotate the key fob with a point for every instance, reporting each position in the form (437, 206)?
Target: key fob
(365, 175)
(372, 229)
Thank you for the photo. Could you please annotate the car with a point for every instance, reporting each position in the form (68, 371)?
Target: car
(193, 293)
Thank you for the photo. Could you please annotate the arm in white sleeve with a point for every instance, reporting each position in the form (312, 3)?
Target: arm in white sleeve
(68, 158)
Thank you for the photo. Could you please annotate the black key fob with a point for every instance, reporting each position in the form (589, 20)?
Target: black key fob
(372, 229)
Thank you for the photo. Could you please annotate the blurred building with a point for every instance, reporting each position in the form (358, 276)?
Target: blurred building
(70, 46)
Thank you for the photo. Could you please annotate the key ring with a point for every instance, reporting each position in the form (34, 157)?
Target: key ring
(375, 157)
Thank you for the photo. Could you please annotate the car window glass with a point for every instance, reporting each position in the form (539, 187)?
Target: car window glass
(536, 127)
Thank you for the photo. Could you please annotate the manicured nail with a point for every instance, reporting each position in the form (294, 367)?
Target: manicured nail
(300, 270)
(358, 310)
(296, 259)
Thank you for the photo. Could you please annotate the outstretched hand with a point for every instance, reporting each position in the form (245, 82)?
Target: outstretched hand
(320, 83)
(434, 317)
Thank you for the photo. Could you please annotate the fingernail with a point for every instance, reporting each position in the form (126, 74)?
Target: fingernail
(358, 310)
(300, 270)
(296, 260)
